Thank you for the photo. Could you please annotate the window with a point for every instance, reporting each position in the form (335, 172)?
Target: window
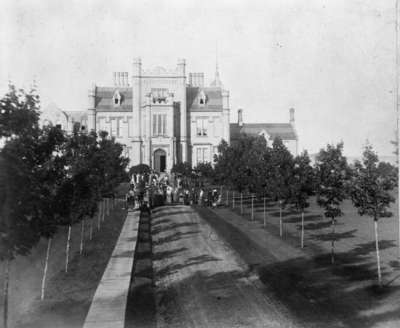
(114, 127)
(217, 127)
(159, 95)
(117, 98)
(201, 126)
(202, 98)
(203, 154)
(102, 124)
(159, 124)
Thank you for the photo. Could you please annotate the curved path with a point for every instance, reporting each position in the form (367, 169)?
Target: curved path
(201, 281)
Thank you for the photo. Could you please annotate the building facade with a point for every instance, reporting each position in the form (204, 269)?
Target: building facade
(270, 131)
(162, 116)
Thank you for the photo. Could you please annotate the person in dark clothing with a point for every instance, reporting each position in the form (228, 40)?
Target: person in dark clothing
(145, 208)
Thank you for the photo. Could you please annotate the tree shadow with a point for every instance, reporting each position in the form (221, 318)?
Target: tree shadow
(307, 218)
(161, 228)
(334, 236)
(366, 248)
(173, 268)
(329, 295)
(160, 221)
(166, 254)
(174, 237)
(284, 213)
(315, 226)
(318, 293)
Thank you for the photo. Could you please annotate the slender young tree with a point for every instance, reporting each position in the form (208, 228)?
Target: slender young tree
(301, 187)
(370, 193)
(332, 173)
(279, 176)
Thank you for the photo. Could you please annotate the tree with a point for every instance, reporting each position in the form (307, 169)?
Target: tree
(332, 174)
(370, 193)
(19, 113)
(279, 175)
(301, 186)
(19, 160)
(241, 164)
(183, 170)
(204, 171)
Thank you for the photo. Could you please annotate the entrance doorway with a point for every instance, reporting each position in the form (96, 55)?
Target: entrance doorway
(160, 160)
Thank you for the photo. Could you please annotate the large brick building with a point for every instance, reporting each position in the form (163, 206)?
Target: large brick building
(162, 117)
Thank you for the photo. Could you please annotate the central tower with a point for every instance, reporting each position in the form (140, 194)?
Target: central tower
(159, 116)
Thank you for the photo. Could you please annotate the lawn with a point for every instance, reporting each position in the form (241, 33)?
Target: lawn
(68, 295)
(354, 236)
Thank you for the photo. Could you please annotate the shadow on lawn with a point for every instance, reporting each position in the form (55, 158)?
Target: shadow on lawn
(307, 217)
(330, 294)
(335, 236)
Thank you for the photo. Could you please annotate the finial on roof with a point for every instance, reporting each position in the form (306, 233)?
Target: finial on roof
(217, 81)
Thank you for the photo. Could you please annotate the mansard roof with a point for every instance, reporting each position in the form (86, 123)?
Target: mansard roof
(104, 99)
(213, 99)
(285, 131)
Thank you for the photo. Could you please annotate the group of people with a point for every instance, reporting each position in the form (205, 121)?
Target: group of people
(158, 189)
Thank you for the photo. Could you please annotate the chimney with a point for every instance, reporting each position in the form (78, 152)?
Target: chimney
(291, 115)
(126, 79)
(196, 80)
(240, 117)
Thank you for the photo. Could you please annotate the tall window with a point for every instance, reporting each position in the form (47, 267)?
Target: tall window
(203, 154)
(217, 127)
(201, 126)
(114, 127)
(102, 124)
(159, 124)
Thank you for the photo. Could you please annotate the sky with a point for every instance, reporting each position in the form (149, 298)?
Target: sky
(333, 60)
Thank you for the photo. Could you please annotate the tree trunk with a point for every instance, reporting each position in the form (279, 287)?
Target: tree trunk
(280, 219)
(108, 206)
(241, 203)
(99, 215)
(233, 200)
(333, 241)
(378, 259)
(91, 229)
(265, 217)
(104, 210)
(302, 229)
(252, 208)
(82, 236)
(46, 264)
(5, 291)
(67, 248)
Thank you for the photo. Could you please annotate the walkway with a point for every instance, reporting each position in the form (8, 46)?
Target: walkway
(109, 302)
(201, 281)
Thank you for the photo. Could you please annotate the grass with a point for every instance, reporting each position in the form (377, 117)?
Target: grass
(69, 295)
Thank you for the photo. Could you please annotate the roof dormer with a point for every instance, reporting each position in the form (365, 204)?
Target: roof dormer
(202, 98)
(117, 99)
